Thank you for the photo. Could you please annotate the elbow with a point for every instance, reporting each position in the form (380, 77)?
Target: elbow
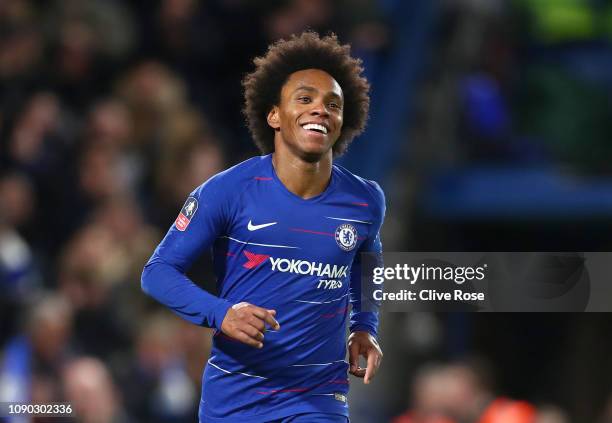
(146, 280)
(156, 277)
(153, 278)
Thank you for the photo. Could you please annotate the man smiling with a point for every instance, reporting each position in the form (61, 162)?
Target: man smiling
(286, 229)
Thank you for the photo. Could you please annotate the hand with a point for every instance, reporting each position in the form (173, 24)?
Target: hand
(362, 343)
(247, 323)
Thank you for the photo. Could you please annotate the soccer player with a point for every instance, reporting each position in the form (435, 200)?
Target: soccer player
(286, 230)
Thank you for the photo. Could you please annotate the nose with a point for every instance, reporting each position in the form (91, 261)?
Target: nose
(319, 109)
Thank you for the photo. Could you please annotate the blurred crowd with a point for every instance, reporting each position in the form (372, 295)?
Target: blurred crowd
(464, 391)
(112, 111)
(522, 82)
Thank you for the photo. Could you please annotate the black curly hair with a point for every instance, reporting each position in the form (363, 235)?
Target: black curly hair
(262, 87)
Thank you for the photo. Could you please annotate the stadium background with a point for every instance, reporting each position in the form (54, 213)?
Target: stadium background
(490, 129)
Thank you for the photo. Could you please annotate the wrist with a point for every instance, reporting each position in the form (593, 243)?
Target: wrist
(364, 329)
(219, 313)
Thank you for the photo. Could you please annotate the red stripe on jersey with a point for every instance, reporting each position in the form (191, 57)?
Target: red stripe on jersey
(308, 231)
(330, 382)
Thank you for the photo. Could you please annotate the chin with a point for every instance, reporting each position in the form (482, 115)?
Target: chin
(315, 146)
(311, 157)
(313, 153)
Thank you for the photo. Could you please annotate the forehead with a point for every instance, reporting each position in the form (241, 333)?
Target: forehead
(312, 78)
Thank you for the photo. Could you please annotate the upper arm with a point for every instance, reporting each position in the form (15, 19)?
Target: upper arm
(373, 243)
(203, 218)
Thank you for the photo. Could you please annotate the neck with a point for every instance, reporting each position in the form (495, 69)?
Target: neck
(306, 179)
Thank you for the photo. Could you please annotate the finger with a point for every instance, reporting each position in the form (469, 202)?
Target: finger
(253, 332)
(379, 358)
(371, 366)
(276, 325)
(359, 372)
(257, 323)
(267, 316)
(246, 339)
(353, 358)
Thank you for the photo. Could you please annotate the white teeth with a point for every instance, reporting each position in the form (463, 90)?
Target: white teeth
(316, 127)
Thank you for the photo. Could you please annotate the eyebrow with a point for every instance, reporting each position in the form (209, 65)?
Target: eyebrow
(312, 89)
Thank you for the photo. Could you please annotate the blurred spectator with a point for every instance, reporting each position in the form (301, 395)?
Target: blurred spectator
(188, 153)
(471, 397)
(551, 414)
(17, 200)
(103, 174)
(162, 387)
(32, 362)
(109, 123)
(50, 329)
(19, 274)
(34, 143)
(359, 20)
(153, 94)
(88, 40)
(89, 388)
(98, 271)
(21, 43)
(18, 271)
(462, 392)
(428, 397)
(298, 14)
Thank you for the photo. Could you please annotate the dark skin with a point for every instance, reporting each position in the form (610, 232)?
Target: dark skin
(302, 160)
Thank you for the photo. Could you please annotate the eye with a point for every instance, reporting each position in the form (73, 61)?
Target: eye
(304, 99)
(335, 105)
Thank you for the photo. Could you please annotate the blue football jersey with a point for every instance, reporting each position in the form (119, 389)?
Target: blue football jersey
(279, 251)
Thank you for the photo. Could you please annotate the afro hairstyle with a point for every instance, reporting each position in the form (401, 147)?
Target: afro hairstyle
(262, 87)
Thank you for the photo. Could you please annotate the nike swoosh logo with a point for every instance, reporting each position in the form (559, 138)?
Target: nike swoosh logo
(252, 227)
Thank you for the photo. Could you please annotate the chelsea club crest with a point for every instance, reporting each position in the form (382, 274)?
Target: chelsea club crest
(346, 236)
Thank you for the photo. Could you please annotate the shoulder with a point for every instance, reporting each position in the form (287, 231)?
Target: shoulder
(233, 179)
(365, 188)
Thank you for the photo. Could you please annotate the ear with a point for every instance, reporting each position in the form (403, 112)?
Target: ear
(274, 118)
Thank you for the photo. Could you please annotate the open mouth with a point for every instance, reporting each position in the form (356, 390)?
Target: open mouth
(315, 127)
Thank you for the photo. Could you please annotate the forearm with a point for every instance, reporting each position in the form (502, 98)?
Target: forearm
(363, 317)
(172, 288)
